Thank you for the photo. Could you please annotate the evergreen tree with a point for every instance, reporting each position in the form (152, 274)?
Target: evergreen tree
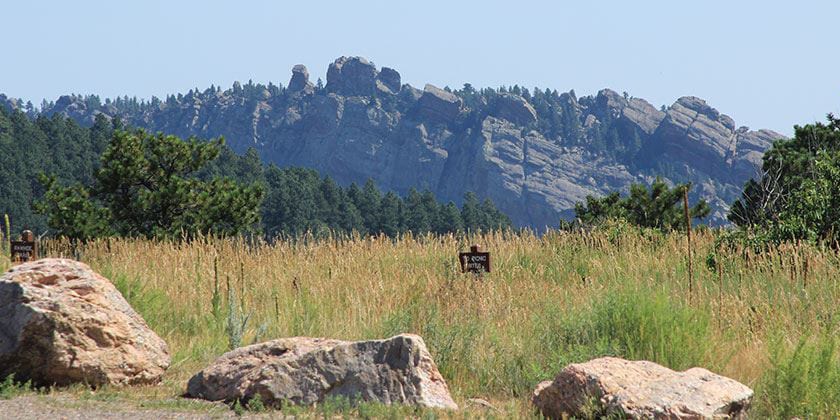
(656, 207)
(798, 195)
(391, 215)
(471, 214)
(417, 218)
(449, 219)
(367, 200)
(147, 187)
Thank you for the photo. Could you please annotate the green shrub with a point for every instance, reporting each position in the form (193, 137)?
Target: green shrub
(10, 388)
(256, 404)
(632, 324)
(801, 382)
(642, 325)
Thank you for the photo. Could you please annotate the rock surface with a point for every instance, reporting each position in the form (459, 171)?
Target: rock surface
(351, 76)
(640, 389)
(366, 125)
(438, 105)
(305, 371)
(300, 80)
(390, 78)
(515, 109)
(62, 323)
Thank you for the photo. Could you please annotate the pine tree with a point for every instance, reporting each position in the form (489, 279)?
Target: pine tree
(417, 217)
(449, 219)
(471, 214)
(391, 215)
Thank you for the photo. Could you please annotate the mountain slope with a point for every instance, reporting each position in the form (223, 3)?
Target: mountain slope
(533, 153)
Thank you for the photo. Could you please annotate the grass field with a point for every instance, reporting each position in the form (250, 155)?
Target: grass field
(767, 320)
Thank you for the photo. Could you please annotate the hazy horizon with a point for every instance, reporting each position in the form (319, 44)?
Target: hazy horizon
(766, 65)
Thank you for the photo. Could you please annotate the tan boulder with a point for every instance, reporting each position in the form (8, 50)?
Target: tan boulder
(640, 389)
(306, 371)
(62, 323)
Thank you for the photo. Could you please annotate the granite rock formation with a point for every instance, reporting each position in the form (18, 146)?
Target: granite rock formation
(306, 371)
(534, 159)
(640, 390)
(62, 323)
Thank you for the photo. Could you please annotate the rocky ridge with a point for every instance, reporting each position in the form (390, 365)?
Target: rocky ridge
(534, 157)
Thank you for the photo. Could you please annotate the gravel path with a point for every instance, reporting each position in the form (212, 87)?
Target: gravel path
(52, 407)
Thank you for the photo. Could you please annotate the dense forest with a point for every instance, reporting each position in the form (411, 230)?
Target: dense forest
(295, 200)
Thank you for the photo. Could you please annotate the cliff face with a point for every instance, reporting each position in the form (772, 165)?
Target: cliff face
(534, 159)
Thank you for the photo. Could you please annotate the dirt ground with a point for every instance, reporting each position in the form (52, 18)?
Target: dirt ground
(60, 407)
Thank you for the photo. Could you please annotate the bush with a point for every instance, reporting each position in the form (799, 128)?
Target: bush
(643, 325)
(632, 324)
(802, 382)
(10, 388)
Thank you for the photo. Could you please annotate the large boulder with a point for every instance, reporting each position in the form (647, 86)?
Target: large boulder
(62, 323)
(305, 371)
(438, 105)
(640, 389)
(514, 108)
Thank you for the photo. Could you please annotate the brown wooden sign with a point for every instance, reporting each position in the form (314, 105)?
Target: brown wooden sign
(25, 249)
(474, 261)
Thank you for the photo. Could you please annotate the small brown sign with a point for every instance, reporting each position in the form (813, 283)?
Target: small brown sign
(474, 261)
(23, 251)
(26, 249)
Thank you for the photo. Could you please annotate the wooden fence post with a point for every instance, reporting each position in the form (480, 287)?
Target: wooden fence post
(688, 236)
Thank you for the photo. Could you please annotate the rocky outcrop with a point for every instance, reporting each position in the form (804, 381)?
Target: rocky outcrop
(306, 371)
(351, 76)
(693, 130)
(636, 113)
(300, 80)
(696, 135)
(515, 109)
(389, 79)
(438, 105)
(526, 174)
(640, 389)
(62, 323)
(535, 159)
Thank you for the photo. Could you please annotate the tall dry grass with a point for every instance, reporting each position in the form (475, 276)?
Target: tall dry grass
(550, 300)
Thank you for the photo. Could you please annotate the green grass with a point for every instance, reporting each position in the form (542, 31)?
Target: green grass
(11, 388)
(550, 301)
(803, 380)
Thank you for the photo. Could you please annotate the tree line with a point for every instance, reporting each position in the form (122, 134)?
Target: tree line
(795, 199)
(109, 180)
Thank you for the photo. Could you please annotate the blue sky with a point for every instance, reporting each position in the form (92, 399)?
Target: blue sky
(767, 64)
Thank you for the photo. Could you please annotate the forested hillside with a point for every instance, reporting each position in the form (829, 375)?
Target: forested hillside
(297, 200)
(55, 145)
(534, 151)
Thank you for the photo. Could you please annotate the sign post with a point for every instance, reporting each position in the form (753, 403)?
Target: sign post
(475, 261)
(25, 249)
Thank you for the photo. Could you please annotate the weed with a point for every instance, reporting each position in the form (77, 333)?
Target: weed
(802, 382)
(255, 404)
(10, 388)
(237, 408)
